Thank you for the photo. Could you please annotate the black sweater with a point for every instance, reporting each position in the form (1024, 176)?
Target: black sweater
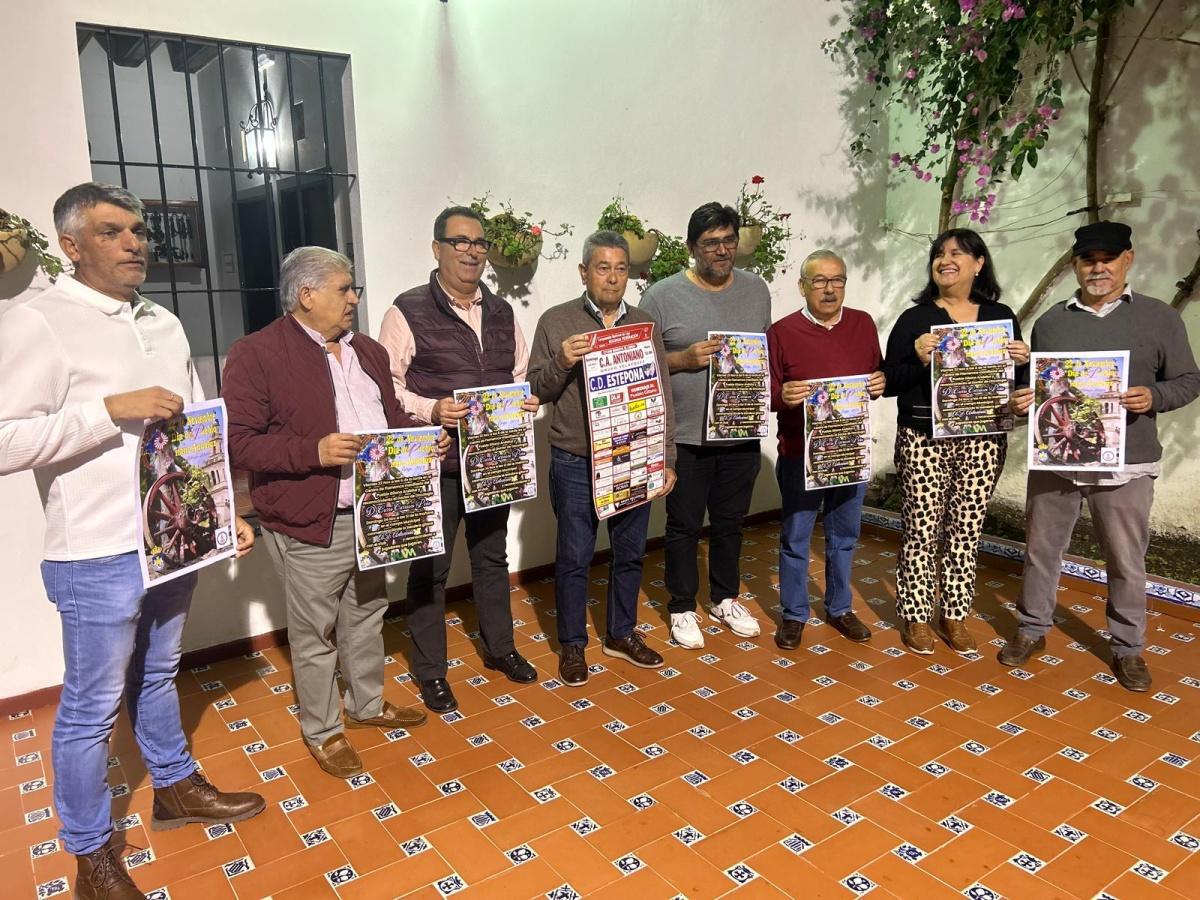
(908, 378)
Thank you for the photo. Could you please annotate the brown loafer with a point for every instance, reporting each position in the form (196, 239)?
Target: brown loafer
(572, 667)
(955, 633)
(1019, 649)
(102, 876)
(1132, 673)
(917, 637)
(787, 636)
(851, 627)
(633, 648)
(337, 757)
(390, 716)
(193, 800)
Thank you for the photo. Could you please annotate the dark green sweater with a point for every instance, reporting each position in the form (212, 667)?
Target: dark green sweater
(1160, 358)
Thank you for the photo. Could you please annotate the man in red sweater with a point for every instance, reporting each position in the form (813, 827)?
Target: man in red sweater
(822, 340)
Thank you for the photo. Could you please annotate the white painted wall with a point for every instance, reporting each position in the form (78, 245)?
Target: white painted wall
(552, 104)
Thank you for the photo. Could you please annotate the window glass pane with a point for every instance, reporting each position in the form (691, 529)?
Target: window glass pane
(338, 99)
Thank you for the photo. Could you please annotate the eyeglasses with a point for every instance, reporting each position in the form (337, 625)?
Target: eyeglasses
(460, 244)
(711, 245)
(820, 282)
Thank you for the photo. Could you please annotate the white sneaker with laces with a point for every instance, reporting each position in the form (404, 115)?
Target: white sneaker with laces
(735, 617)
(685, 630)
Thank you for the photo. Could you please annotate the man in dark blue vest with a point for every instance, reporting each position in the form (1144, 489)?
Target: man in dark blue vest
(447, 334)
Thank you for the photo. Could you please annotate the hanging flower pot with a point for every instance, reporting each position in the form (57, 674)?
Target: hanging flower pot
(517, 244)
(14, 244)
(641, 249)
(749, 237)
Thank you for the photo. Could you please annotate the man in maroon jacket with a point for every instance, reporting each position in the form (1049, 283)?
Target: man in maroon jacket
(296, 390)
(823, 339)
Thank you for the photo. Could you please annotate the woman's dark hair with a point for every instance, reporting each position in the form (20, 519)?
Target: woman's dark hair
(985, 289)
(709, 216)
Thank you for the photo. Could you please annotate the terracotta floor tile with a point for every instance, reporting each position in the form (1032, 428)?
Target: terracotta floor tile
(402, 877)
(638, 828)
(575, 860)
(907, 880)
(1162, 812)
(469, 851)
(688, 868)
(851, 849)
(1085, 868)
(968, 858)
(208, 885)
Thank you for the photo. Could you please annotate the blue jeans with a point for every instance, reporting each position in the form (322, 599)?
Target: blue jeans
(571, 497)
(843, 518)
(118, 640)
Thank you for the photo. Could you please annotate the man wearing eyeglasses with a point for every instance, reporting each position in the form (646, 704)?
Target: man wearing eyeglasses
(448, 334)
(824, 339)
(717, 478)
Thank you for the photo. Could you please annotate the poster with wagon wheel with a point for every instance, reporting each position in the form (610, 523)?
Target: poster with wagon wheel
(185, 496)
(1076, 420)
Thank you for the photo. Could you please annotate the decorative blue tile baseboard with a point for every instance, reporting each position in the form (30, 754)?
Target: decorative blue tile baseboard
(1171, 593)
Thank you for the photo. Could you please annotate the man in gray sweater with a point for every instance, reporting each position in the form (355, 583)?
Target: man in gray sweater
(714, 477)
(1105, 314)
(556, 376)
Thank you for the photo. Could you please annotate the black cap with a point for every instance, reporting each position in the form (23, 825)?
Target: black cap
(1113, 237)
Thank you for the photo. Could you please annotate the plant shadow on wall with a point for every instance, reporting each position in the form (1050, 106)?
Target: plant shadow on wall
(518, 244)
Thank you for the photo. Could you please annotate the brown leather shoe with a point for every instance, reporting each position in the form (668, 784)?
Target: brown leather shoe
(337, 757)
(390, 716)
(787, 636)
(572, 667)
(917, 637)
(956, 635)
(194, 800)
(102, 876)
(633, 648)
(1132, 673)
(1019, 649)
(851, 627)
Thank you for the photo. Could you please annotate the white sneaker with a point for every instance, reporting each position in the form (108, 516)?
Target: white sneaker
(685, 630)
(735, 617)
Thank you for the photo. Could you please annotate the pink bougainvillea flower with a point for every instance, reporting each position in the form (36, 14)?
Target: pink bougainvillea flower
(926, 176)
(935, 148)
(872, 77)
(894, 159)
(910, 74)
(757, 179)
(1045, 111)
(985, 170)
(981, 55)
(967, 5)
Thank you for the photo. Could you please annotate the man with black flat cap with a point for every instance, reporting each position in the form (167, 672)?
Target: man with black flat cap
(1105, 314)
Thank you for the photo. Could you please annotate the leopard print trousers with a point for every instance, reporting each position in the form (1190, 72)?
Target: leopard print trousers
(945, 485)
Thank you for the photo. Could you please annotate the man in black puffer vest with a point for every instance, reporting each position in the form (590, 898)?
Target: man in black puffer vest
(448, 334)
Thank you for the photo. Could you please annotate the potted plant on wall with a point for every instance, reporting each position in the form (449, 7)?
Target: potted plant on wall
(672, 257)
(17, 238)
(517, 239)
(765, 235)
(643, 242)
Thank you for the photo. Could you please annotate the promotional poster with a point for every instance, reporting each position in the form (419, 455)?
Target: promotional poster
(739, 387)
(627, 418)
(495, 446)
(972, 379)
(1076, 420)
(398, 497)
(185, 493)
(837, 432)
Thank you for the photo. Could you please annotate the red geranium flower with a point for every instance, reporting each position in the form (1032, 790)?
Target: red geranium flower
(536, 230)
(757, 179)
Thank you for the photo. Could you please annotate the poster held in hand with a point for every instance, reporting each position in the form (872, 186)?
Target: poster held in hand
(1076, 420)
(185, 493)
(837, 432)
(627, 418)
(495, 446)
(739, 387)
(397, 497)
(973, 379)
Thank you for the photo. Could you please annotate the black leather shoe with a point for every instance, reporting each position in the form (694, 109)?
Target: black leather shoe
(851, 627)
(437, 696)
(1132, 673)
(1019, 649)
(789, 634)
(514, 666)
(572, 667)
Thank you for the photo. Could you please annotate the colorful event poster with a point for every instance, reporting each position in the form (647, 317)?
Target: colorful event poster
(1076, 420)
(495, 446)
(185, 493)
(972, 378)
(739, 387)
(398, 496)
(837, 432)
(627, 418)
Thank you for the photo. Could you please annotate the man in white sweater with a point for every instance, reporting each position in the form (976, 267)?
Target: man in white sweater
(87, 363)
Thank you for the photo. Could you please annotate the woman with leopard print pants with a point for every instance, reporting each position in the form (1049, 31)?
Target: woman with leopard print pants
(945, 483)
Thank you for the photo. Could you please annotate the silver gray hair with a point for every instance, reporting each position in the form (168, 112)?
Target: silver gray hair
(598, 239)
(70, 207)
(308, 267)
(817, 256)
